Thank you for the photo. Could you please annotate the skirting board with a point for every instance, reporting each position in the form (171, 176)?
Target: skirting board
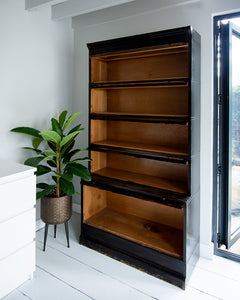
(76, 208)
(206, 251)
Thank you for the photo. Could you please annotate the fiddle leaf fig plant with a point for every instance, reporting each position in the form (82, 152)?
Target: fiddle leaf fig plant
(58, 153)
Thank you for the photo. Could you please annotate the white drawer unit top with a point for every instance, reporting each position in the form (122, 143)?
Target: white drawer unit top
(10, 171)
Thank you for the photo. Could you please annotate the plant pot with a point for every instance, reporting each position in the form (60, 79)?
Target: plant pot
(56, 210)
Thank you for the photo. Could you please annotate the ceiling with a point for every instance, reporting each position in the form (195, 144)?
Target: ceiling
(71, 8)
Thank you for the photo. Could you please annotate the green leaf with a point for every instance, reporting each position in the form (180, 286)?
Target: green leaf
(26, 130)
(49, 153)
(41, 170)
(37, 141)
(33, 161)
(69, 155)
(54, 178)
(51, 146)
(52, 160)
(34, 150)
(62, 118)
(56, 127)
(79, 171)
(68, 138)
(70, 119)
(51, 136)
(45, 192)
(67, 187)
(67, 176)
(76, 128)
(67, 147)
(42, 185)
(79, 160)
(51, 163)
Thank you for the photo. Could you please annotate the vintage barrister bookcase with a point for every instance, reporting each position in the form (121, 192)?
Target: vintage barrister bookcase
(142, 205)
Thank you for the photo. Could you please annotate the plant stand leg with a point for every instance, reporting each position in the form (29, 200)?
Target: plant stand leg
(67, 233)
(55, 231)
(45, 236)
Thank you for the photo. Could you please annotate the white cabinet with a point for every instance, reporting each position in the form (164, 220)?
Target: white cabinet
(17, 225)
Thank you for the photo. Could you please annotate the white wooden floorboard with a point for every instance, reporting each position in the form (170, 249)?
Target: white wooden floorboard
(47, 287)
(81, 273)
(16, 295)
(127, 275)
(221, 266)
(215, 284)
(88, 280)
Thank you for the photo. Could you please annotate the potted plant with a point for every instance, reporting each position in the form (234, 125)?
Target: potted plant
(61, 162)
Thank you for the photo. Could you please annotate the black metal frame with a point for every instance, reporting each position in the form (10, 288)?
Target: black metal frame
(55, 234)
(219, 154)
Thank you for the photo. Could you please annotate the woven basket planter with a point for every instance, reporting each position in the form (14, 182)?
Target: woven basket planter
(56, 210)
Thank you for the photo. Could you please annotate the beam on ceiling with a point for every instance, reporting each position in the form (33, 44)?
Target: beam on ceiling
(73, 8)
(34, 4)
(139, 7)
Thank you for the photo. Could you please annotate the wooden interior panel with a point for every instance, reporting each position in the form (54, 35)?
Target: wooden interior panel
(95, 200)
(145, 166)
(164, 214)
(98, 131)
(144, 52)
(99, 70)
(147, 233)
(140, 221)
(149, 68)
(99, 161)
(142, 147)
(141, 100)
(147, 180)
(141, 68)
(161, 100)
(98, 100)
(159, 174)
(159, 134)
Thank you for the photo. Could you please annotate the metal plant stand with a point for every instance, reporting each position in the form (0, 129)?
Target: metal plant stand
(55, 234)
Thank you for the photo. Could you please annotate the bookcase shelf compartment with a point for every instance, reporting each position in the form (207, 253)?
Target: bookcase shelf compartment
(148, 67)
(162, 175)
(155, 137)
(153, 225)
(163, 101)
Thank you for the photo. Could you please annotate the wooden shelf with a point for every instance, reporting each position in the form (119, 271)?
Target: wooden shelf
(143, 117)
(171, 82)
(147, 233)
(142, 179)
(144, 52)
(138, 147)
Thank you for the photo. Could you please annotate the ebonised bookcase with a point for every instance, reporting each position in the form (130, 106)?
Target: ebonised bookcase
(142, 205)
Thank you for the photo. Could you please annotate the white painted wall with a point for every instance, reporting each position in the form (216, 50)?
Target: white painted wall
(35, 72)
(117, 22)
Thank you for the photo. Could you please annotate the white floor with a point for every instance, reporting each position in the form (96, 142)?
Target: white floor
(81, 273)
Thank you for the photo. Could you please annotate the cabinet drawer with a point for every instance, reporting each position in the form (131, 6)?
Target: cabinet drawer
(17, 232)
(17, 197)
(16, 269)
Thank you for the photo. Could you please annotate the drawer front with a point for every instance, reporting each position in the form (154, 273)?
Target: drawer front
(16, 269)
(17, 232)
(17, 197)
